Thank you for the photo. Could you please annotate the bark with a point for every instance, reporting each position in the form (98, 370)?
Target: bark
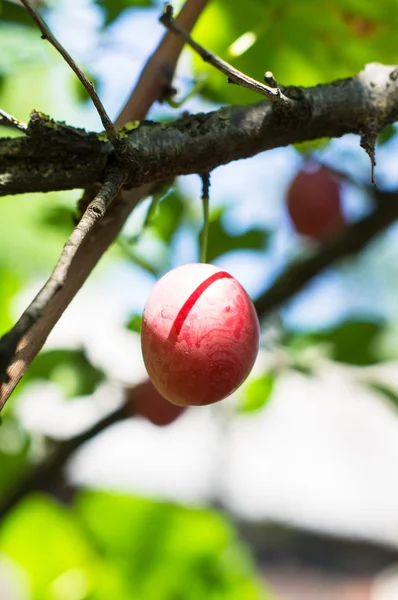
(57, 157)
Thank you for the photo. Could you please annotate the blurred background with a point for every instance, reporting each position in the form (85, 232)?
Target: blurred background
(286, 490)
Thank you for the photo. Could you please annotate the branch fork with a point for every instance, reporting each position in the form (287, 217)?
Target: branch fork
(271, 90)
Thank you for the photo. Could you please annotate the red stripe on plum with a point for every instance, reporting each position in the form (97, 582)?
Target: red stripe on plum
(189, 303)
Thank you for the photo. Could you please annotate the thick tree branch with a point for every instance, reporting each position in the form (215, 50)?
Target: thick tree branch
(200, 143)
(89, 87)
(346, 242)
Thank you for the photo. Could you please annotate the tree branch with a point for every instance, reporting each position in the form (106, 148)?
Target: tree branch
(94, 213)
(105, 232)
(156, 78)
(88, 85)
(10, 121)
(350, 240)
(43, 477)
(234, 76)
(199, 143)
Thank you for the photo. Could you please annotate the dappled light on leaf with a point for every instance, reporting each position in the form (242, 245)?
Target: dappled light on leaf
(123, 547)
(70, 369)
(256, 393)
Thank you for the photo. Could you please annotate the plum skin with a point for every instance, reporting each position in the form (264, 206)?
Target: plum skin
(199, 335)
(314, 203)
(144, 400)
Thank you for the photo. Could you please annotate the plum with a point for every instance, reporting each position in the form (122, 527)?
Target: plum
(145, 400)
(199, 335)
(314, 203)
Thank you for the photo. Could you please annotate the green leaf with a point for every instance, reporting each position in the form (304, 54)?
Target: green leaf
(134, 323)
(20, 46)
(386, 135)
(221, 241)
(113, 8)
(353, 342)
(310, 147)
(16, 13)
(58, 218)
(385, 391)
(14, 450)
(168, 216)
(170, 551)
(9, 285)
(299, 45)
(72, 569)
(256, 393)
(68, 368)
(81, 93)
(20, 252)
(114, 546)
(37, 525)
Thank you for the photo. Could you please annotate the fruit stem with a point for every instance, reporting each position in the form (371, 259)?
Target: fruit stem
(204, 236)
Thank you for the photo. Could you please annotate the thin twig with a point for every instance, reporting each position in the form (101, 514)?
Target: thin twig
(347, 242)
(103, 235)
(234, 76)
(92, 215)
(10, 121)
(155, 81)
(88, 85)
(204, 236)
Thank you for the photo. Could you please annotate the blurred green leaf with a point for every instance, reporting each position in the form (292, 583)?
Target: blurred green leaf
(36, 525)
(134, 323)
(113, 8)
(14, 449)
(2, 83)
(299, 45)
(23, 222)
(113, 546)
(386, 135)
(353, 342)
(80, 91)
(19, 45)
(256, 393)
(9, 285)
(221, 241)
(16, 13)
(68, 368)
(309, 147)
(59, 218)
(60, 562)
(170, 551)
(385, 391)
(168, 216)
